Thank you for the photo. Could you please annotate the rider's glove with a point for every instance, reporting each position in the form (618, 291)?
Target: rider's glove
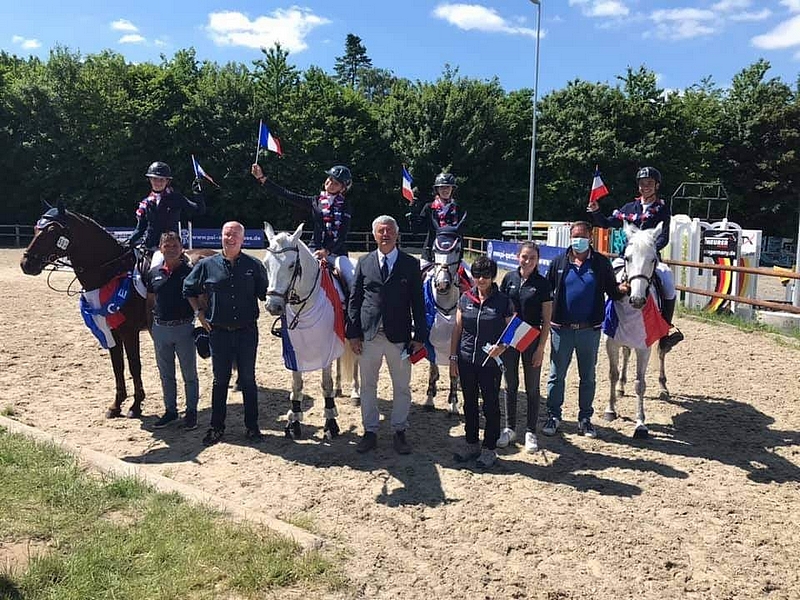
(196, 187)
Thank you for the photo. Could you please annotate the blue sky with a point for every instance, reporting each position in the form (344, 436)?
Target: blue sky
(595, 40)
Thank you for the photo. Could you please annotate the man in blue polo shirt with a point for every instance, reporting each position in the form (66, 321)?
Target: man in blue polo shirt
(233, 282)
(172, 325)
(580, 278)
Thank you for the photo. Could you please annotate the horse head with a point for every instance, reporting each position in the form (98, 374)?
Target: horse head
(284, 260)
(447, 253)
(641, 258)
(51, 240)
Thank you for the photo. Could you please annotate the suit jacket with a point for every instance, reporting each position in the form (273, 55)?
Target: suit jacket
(394, 301)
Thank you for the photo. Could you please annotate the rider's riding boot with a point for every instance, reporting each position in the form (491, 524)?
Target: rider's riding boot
(667, 342)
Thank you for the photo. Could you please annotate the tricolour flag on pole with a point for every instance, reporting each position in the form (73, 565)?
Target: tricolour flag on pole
(408, 193)
(199, 172)
(599, 188)
(267, 140)
(519, 334)
(633, 327)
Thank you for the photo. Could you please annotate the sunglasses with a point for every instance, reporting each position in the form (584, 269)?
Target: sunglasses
(482, 275)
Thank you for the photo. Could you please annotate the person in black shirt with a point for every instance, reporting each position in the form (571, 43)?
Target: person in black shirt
(163, 208)
(481, 318)
(532, 296)
(330, 212)
(172, 326)
(233, 282)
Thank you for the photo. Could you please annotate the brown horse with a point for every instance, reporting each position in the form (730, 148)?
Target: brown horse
(96, 257)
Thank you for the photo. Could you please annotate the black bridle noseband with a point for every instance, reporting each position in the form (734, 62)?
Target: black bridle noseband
(289, 296)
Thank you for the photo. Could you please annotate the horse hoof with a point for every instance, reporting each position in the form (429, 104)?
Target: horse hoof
(355, 401)
(663, 396)
(620, 392)
(293, 430)
(113, 413)
(640, 433)
(134, 414)
(337, 393)
(331, 429)
(609, 415)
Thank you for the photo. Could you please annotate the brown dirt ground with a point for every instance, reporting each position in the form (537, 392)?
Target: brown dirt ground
(709, 507)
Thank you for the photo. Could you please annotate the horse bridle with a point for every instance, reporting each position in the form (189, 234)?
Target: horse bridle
(290, 295)
(647, 278)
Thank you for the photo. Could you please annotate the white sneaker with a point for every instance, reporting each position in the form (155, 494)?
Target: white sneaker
(487, 458)
(531, 443)
(506, 437)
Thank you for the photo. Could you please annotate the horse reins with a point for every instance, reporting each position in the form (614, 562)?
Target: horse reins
(290, 295)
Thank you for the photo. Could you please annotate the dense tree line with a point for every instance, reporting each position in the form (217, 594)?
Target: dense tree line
(85, 128)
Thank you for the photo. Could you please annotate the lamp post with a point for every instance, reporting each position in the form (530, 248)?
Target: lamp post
(538, 4)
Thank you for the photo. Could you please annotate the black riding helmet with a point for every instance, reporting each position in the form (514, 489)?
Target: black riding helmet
(445, 179)
(341, 174)
(650, 172)
(159, 169)
(202, 342)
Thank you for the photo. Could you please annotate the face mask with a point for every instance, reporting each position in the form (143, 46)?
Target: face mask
(579, 245)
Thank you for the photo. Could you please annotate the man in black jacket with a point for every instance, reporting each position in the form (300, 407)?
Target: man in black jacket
(386, 294)
(581, 279)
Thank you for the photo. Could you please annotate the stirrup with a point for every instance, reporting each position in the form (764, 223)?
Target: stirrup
(668, 342)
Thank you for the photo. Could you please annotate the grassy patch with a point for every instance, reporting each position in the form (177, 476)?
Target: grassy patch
(116, 538)
(747, 325)
(8, 411)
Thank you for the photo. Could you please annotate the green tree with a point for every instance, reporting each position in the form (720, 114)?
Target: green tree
(350, 66)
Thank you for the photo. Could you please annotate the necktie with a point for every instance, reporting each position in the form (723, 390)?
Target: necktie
(385, 269)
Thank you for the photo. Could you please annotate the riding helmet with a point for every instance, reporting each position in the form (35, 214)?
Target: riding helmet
(650, 172)
(445, 179)
(341, 174)
(201, 342)
(159, 169)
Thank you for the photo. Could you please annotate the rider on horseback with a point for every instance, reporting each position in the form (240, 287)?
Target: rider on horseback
(162, 209)
(440, 212)
(330, 213)
(646, 212)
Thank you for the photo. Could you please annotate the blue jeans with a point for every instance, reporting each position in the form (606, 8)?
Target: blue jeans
(169, 342)
(227, 347)
(585, 343)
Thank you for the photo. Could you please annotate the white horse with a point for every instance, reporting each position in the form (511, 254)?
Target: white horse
(635, 323)
(441, 290)
(302, 292)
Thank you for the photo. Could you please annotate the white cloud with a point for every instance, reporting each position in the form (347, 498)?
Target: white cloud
(123, 25)
(729, 5)
(792, 5)
(26, 43)
(160, 43)
(752, 16)
(132, 38)
(784, 35)
(601, 8)
(476, 17)
(289, 27)
(684, 23)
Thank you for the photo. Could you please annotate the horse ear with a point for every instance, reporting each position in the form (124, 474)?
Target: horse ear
(658, 229)
(629, 228)
(297, 233)
(61, 208)
(46, 205)
(269, 231)
(461, 222)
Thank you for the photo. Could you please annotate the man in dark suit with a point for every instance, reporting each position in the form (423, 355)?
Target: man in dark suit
(386, 294)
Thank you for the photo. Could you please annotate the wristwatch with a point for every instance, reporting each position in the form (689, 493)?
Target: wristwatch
(454, 357)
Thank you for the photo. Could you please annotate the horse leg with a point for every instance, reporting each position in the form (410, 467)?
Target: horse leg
(295, 415)
(338, 389)
(133, 350)
(331, 429)
(355, 389)
(642, 358)
(612, 350)
(623, 372)
(433, 377)
(118, 363)
(663, 393)
(452, 396)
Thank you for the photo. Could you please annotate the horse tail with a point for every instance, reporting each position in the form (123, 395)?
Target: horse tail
(348, 360)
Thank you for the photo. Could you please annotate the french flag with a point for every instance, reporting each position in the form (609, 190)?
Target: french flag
(599, 189)
(632, 327)
(519, 334)
(199, 172)
(267, 140)
(408, 193)
(100, 308)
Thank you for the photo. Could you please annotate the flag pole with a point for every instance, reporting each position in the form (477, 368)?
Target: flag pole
(511, 320)
(258, 144)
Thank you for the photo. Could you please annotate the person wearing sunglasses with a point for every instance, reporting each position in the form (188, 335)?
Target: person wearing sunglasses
(482, 315)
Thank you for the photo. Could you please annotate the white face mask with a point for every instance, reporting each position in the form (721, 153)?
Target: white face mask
(579, 245)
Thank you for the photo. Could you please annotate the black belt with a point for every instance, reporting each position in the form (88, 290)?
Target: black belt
(174, 322)
(578, 325)
(231, 327)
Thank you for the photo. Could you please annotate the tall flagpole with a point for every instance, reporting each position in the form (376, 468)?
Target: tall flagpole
(538, 4)
(258, 144)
